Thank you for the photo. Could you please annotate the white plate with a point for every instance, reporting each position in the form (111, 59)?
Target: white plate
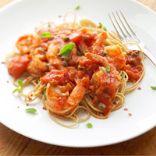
(21, 17)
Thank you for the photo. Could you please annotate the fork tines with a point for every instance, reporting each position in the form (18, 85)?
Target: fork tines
(122, 27)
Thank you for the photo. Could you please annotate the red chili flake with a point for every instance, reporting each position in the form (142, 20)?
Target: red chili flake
(125, 109)
(59, 16)
(44, 108)
(130, 114)
(139, 88)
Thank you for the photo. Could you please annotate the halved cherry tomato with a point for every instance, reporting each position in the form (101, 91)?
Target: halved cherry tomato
(18, 65)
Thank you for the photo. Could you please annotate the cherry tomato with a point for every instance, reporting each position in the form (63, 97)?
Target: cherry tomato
(18, 65)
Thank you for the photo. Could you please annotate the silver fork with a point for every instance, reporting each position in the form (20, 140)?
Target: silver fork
(127, 34)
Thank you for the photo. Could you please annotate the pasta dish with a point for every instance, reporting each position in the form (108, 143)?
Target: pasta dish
(75, 67)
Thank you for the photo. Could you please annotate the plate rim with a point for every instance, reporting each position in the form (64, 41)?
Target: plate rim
(13, 3)
(79, 146)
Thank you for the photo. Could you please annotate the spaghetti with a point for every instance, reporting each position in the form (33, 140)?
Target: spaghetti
(76, 67)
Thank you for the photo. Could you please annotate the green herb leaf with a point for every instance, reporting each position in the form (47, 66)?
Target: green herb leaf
(67, 49)
(15, 90)
(101, 26)
(46, 35)
(104, 28)
(153, 87)
(122, 74)
(44, 91)
(108, 69)
(77, 7)
(89, 125)
(31, 110)
(19, 87)
(20, 82)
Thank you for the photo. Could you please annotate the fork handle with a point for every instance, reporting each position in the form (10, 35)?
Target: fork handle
(148, 54)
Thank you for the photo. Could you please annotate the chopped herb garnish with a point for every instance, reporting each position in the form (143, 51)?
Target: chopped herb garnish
(77, 7)
(104, 28)
(101, 106)
(60, 16)
(44, 92)
(19, 87)
(105, 69)
(67, 49)
(101, 26)
(2, 62)
(89, 125)
(153, 87)
(122, 74)
(31, 110)
(46, 35)
(108, 69)
(125, 109)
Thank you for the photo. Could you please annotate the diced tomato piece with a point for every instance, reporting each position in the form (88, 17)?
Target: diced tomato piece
(88, 65)
(133, 66)
(119, 62)
(90, 39)
(86, 82)
(55, 77)
(134, 73)
(18, 65)
(76, 37)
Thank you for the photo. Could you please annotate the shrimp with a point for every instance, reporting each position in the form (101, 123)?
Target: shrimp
(116, 56)
(97, 58)
(28, 43)
(101, 39)
(61, 102)
(98, 47)
(104, 88)
(52, 54)
(37, 67)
